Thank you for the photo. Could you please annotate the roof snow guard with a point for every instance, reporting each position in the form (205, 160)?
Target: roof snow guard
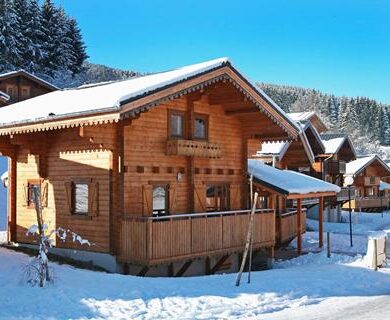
(127, 98)
(287, 182)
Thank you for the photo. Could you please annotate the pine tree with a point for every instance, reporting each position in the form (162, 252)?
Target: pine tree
(50, 38)
(78, 47)
(10, 54)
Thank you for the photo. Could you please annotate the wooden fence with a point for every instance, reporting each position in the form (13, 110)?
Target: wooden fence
(162, 239)
(286, 225)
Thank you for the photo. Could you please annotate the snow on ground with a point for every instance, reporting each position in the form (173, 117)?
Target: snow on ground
(364, 224)
(305, 285)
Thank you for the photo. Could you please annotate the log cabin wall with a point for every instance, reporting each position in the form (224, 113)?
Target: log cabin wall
(146, 162)
(366, 188)
(69, 157)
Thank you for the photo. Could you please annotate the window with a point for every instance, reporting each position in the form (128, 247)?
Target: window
(160, 200)
(12, 92)
(34, 188)
(80, 197)
(201, 124)
(176, 124)
(217, 198)
(25, 92)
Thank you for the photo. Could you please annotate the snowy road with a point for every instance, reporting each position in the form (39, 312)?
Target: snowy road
(351, 308)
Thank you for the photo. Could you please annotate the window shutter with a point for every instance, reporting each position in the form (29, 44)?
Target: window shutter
(25, 194)
(235, 199)
(68, 191)
(147, 203)
(44, 193)
(200, 197)
(93, 199)
(172, 197)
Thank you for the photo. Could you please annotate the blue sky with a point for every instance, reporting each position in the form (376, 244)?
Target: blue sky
(341, 47)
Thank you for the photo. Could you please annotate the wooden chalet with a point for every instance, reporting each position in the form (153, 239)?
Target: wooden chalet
(309, 117)
(151, 170)
(370, 192)
(20, 85)
(279, 188)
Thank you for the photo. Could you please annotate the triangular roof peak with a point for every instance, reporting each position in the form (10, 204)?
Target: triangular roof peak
(334, 143)
(309, 116)
(121, 99)
(355, 167)
(28, 75)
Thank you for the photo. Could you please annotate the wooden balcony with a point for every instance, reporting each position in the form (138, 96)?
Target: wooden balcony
(192, 148)
(286, 225)
(335, 167)
(368, 203)
(154, 240)
(371, 181)
(332, 167)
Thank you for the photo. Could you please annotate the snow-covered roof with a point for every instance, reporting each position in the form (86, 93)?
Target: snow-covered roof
(384, 186)
(301, 116)
(286, 181)
(334, 141)
(109, 97)
(4, 96)
(356, 166)
(28, 75)
(273, 148)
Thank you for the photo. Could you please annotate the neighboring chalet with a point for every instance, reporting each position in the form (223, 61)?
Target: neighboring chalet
(20, 85)
(370, 191)
(278, 188)
(151, 170)
(309, 116)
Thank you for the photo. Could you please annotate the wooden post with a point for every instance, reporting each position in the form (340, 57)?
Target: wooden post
(321, 222)
(299, 235)
(328, 244)
(376, 254)
(248, 240)
(12, 199)
(190, 160)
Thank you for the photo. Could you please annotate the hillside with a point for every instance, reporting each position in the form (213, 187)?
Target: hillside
(365, 120)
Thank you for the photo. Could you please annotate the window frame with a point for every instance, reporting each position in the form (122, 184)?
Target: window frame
(204, 117)
(182, 114)
(28, 88)
(219, 185)
(14, 89)
(74, 182)
(166, 186)
(31, 182)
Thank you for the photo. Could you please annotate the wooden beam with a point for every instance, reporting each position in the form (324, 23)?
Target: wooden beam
(310, 195)
(12, 199)
(218, 265)
(299, 235)
(143, 271)
(241, 111)
(184, 268)
(190, 159)
(320, 222)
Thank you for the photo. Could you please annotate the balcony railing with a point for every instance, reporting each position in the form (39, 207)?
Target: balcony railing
(192, 148)
(153, 240)
(371, 181)
(286, 225)
(368, 203)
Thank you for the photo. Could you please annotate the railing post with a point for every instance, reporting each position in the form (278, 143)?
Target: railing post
(149, 240)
